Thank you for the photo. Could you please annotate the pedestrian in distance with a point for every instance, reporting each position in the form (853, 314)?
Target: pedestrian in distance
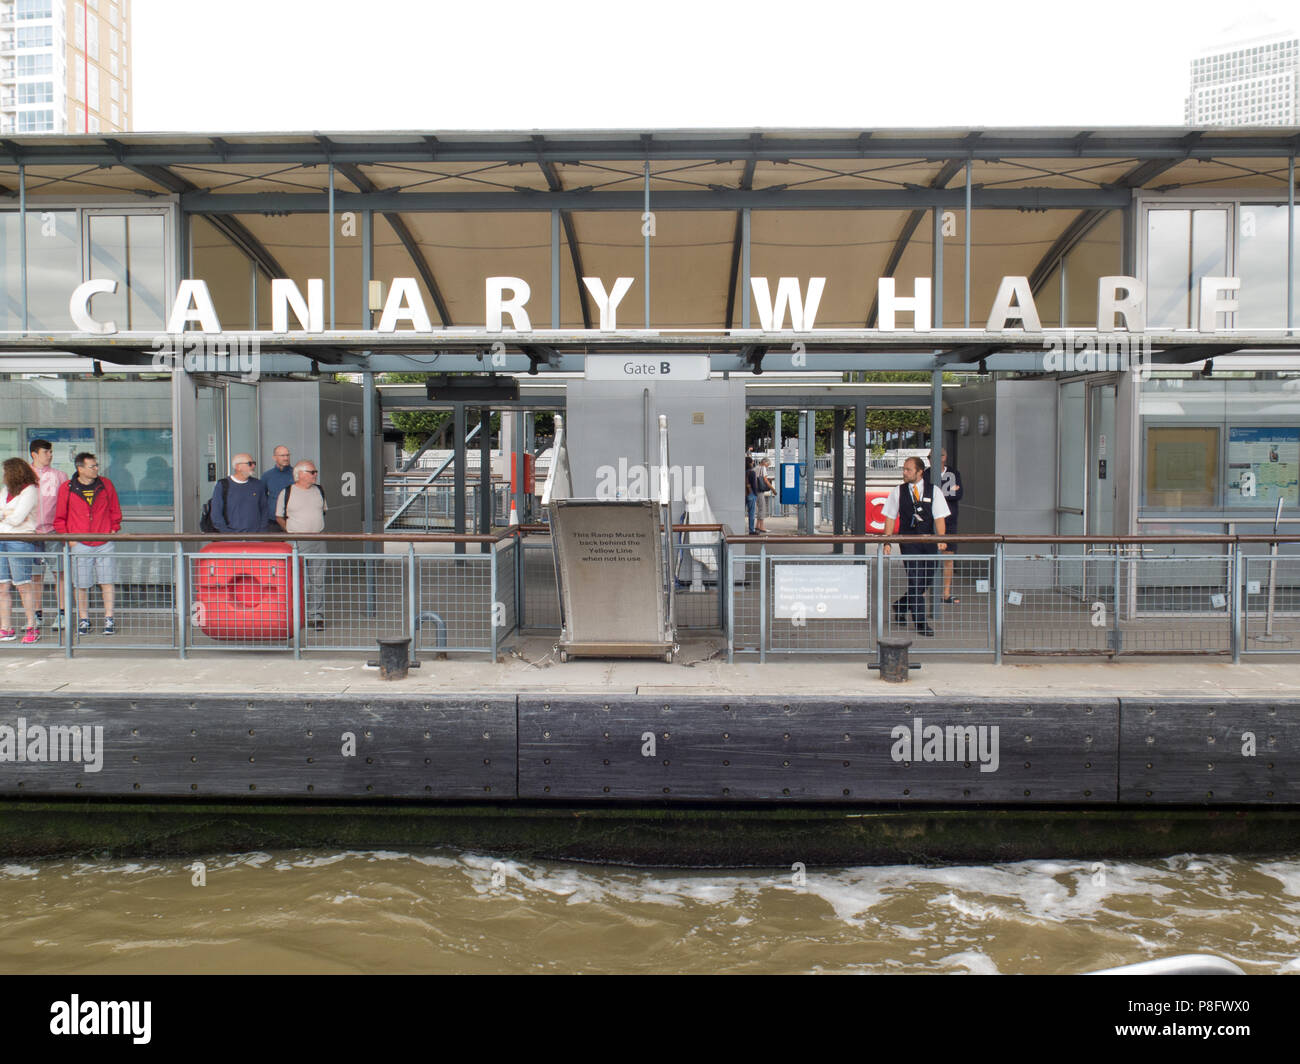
(239, 502)
(915, 508)
(89, 505)
(301, 507)
(50, 482)
(19, 499)
(766, 490)
(751, 493)
(277, 478)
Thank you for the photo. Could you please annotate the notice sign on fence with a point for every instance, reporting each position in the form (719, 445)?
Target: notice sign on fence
(832, 592)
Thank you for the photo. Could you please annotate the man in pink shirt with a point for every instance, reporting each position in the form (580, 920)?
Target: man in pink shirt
(50, 481)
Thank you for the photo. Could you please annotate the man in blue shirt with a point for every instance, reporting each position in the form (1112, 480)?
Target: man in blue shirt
(239, 500)
(276, 479)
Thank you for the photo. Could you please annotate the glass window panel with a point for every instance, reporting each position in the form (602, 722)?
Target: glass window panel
(1182, 247)
(1261, 265)
(1182, 468)
(53, 269)
(1209, 252)
(1168, 241)
(128, 248)
(140, 465)
(127, 422)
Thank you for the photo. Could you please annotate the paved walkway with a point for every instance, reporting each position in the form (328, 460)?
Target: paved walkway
(529, 666)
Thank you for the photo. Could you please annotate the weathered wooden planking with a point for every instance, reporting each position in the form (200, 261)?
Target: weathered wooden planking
(741, 749)
(204, 747)
(1213, 752)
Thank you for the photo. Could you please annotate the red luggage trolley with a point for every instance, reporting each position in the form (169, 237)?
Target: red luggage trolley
(247, 598)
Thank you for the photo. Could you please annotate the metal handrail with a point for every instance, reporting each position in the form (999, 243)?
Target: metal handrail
(433, 476)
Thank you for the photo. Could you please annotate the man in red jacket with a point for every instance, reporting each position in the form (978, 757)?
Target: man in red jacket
(89, 504)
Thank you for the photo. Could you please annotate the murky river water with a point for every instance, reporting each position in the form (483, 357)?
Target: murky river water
(311, 911)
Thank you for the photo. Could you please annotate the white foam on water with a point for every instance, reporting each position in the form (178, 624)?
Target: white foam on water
(1292, 965)
(1285, 872)
(975, 962)
(17, 870)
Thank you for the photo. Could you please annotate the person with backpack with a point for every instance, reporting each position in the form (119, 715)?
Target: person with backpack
(88, 503)
(239, 502)
(301, 508)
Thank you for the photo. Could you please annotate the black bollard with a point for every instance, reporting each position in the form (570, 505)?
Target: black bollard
(893, 659)
(393, 659)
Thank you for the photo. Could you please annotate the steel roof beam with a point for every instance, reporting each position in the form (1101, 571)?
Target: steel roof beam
(232, 228)
(403, 232)
(737, 239)
(950, 170)
(1087, 220)
(209, 203)
(570, 233)
(155, 149)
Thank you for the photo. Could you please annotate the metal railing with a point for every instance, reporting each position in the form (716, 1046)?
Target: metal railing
(1020, 595)
(419, 506)
(825, 595)
(193, 593)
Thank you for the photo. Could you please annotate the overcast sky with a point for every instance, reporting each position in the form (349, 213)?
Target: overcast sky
(234, 65)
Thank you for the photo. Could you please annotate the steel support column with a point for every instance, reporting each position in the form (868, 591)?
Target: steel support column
(645, 229)
(859, 524)
(458, 471)
(22, 236)
(967, 227)
(837, 478)
(331, 222)
(555, 269)
(486, 502)
(745, 225)
(1291, 245)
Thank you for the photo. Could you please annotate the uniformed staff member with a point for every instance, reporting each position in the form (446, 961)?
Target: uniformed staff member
(950, 480)
(914, 508)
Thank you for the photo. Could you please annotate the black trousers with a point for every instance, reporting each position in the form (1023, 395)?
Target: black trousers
(920, 574)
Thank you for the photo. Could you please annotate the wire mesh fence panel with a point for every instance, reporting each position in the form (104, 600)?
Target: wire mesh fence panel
(242, 598)
(1270, 604)
(130, 600)
(505, 610)
(698, 569)
(455, 597)
(541, 606)
(746, 606)
(1175, 603)
(820, 604)
(1137, 601)
(353, 600)
(916, 607)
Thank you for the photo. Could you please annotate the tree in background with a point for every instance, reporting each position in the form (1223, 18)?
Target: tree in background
(885, 426)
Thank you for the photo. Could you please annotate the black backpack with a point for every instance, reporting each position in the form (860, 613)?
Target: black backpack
(205, 515)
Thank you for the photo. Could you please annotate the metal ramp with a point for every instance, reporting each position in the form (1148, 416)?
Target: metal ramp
(613, 565)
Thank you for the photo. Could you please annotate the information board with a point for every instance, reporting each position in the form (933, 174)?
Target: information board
(1263, 466)
(825, 592)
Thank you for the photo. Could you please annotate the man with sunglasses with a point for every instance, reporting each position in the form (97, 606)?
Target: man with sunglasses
(239, 500)
(301, 508)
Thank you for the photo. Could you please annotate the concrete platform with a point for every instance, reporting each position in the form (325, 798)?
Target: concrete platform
(529, 666)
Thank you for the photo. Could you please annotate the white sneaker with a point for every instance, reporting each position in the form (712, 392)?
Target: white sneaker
(58, 622)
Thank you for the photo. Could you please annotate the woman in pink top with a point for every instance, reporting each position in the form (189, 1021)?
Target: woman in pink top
(49, 481)
(19, 496)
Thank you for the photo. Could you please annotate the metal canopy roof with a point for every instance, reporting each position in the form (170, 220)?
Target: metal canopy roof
(451, 208)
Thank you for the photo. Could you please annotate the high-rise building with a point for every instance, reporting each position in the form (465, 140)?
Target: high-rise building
(65, 66)
(1249, 77)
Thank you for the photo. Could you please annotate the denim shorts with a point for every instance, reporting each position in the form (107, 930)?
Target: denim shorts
(16, 558)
